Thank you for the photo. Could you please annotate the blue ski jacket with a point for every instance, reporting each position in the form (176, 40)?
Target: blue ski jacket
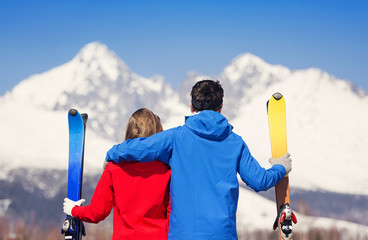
(205, 156)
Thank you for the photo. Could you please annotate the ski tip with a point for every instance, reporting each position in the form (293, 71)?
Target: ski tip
(73, 112)
(277, 96)
(84, 117)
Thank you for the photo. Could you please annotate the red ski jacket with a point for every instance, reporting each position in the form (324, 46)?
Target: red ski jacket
(139, 193)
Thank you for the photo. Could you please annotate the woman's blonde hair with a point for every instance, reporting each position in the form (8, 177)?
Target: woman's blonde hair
(143, 123)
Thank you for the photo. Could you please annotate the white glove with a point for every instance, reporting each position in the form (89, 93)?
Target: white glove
(284, 161)
(69, 204)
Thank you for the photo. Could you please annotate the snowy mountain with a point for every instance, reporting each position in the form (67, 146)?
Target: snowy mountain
(95, 81)
(326, 119)
(327, 128)
(100, 83)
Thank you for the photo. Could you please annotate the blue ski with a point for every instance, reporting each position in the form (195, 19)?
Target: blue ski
(73, 228)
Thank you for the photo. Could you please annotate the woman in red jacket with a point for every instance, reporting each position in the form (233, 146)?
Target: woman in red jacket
(139, 192)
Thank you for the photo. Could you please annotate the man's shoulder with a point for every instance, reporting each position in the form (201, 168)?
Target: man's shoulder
(235, 136)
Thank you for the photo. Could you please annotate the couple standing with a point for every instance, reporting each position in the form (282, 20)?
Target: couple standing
(180, 183)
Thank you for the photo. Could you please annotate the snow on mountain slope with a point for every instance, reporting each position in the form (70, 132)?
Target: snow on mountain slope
(34, 114)
(259, 214)
(92, 67)
(326, 120)
(101, 84)
(36, 138)
(248, 74)
(326, 116)
(327, 129)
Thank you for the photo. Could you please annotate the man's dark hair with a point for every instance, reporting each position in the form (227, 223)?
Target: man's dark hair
(207, 95)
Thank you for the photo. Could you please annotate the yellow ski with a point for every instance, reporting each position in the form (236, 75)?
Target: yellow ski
(276, 109)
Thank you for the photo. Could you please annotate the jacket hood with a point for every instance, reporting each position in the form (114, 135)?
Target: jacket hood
(209, 124)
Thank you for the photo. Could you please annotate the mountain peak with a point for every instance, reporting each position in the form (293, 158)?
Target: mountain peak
(94, 66)
(93, 51)
(249, 69)
(94, 45)
(248, 59)
(98, 60)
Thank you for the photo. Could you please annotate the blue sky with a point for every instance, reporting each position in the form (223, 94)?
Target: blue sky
(170, 38)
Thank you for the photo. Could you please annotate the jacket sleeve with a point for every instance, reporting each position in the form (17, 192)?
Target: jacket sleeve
(255, 176)
(155, 147)
(102, 201)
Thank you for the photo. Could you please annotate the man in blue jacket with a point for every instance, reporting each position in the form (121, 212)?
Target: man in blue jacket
(205, 156)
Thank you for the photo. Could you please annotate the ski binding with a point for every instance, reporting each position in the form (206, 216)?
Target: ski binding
(286, 218)
(68, 229)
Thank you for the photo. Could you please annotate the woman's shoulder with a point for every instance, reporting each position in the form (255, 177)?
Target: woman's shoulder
(136, 166)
